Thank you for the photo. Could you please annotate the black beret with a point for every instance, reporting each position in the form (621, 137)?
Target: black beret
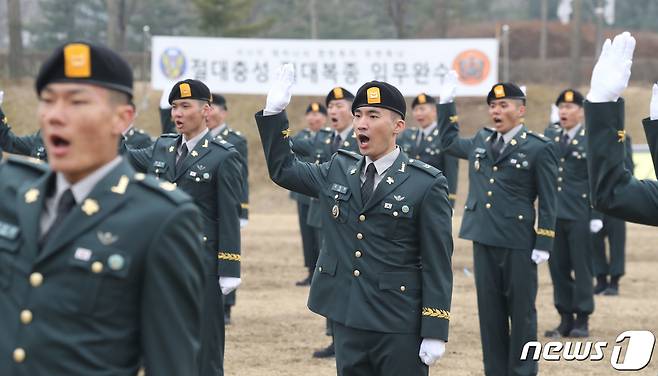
(190, 89)
(219, 100)
(570, 96)
(338, 93)
(316, 107)
(505, 90)
(380, 94)
(88, 63)
(422, 99)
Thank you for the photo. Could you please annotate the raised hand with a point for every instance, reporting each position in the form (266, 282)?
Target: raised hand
(613, 69)
(279, 95)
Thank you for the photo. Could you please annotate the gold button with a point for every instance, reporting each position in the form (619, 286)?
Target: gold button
(491, 180)
(205, 238)
(402, 288)
(495, 168)
(559, 178)
(560, 169)
(357, 254)
(520, 217)
(320, 269)
(489, 193)
(357, 273)
(488, 205)
(26, 316)
(97, 266)
(36, 279)
(559, 189)
(362, 218)
(359, 236)
(19, 355)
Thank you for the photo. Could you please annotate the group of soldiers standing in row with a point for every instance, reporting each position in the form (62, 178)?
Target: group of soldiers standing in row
(115, 257)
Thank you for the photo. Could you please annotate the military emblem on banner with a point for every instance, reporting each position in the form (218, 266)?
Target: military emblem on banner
(172, 63)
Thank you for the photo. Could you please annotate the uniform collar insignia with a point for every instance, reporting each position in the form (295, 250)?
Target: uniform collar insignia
(390, 180)
(90, 206)
(398, 198)
(121, 186)
(31, 195)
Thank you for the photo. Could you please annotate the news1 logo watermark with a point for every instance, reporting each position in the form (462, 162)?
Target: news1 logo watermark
(636, 351)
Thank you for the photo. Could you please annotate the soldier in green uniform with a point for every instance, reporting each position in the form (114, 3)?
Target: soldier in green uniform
(208, 169)
(615, 191)
(509, 168)
(216, 121)
(608, 272)
(384, 272)
(100, 266)
(571, 262)
(32, 144)
(316, 118)
(423, 143)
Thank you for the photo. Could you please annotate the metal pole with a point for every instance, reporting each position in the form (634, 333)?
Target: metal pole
(145, 64)
(505, 43)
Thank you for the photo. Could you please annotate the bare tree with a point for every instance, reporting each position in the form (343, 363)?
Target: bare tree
(118, 13)
(397, 10)
(543, 35)
(576, 22)
(15, 38)
(441, 15)
(313, 17)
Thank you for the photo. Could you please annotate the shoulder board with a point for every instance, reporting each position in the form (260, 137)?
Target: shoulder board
(349, 153)
(164, 188)
(140, 131)
(538, 136)
(326, 130)
(223, 143)
(423, 167)
(34, 163)
(488, 129)
(170, 135)
(237, 134)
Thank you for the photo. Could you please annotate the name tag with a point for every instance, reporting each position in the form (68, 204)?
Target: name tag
(8, 231)
(339, 188)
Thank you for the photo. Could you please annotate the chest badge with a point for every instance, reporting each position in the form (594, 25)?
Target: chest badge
(106, 238)
(116, 262)
(335, 211)
(398, 198)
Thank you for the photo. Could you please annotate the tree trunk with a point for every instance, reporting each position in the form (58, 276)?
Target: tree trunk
(441, 15)
(543, 36)
(15, 38)
(113, 24)
(576, 21)
(313, 16)
(397, 11)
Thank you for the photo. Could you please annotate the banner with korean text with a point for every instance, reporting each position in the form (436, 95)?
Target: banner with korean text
(248, 66)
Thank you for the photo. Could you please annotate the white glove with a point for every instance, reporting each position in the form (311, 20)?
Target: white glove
(539, 256)
(612, 71)
(595, 225)
(279, 95)
(431, 350)
(2, 96)
(228, 284)
(243, 222)
(653, 107)
(449, 88)
(555, 114)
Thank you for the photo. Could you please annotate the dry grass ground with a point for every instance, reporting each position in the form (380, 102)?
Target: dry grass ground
(274, 333)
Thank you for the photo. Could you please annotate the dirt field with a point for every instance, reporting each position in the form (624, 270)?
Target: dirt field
(273, 333)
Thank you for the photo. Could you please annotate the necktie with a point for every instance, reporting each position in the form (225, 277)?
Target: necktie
(181, 158)
(419, 139)
(66, 203)
(497, 146)
(369, 184)
(336, 144)
(564, 142)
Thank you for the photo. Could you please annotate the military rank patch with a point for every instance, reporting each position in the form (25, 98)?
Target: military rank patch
(185, 90)
(338, 93)
(499, 91)
(77, 61)
(422, 99)
(315, 107)
(568, 96)
(373, 95)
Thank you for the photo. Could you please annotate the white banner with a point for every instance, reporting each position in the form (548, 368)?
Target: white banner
(247, 66)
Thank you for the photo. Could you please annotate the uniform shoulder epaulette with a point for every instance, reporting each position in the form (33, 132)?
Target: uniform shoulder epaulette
(349, 153)
(223, 143)
(539, 136)
(164, 188)
(424, 167)
(326, 130)
(488, 129)
(34, 163)
(169, 135)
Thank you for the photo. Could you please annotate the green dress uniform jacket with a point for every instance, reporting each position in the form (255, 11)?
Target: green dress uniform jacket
(137, 138)
(613, 188)
(236, 139)
(117, 286)
(429, 151)
(386, 264)
(301, 144)
(211, 175)
(502, 192)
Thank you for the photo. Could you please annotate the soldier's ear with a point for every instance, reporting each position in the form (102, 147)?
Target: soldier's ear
(521, 110)
(399, 126)
(125, 115)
